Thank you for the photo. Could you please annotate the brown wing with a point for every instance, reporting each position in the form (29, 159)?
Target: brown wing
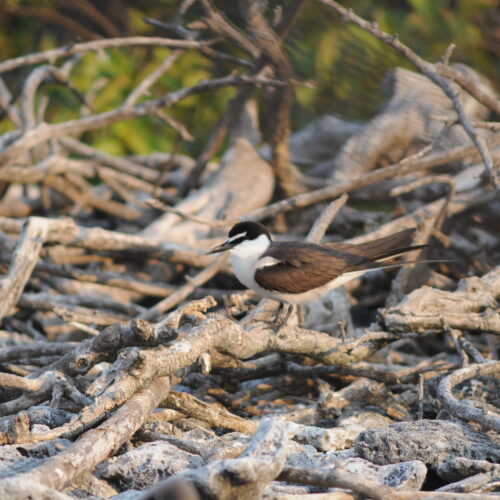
(303, 266)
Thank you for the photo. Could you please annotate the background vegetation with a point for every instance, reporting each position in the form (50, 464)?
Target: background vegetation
(342, 67)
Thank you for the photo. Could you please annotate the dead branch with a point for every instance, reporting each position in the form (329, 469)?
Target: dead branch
(43, 131)
(66, 232)
(25, 256)
(218, 417)
(472, 307)
(338, 477)
(78, 48)
(465, 409)
(428, 70)
(97, 444)
(270, 47)
(246, 476)
(398, 169)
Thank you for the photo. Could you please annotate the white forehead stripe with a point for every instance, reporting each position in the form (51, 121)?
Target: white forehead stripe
(267, 261)
(237, 236)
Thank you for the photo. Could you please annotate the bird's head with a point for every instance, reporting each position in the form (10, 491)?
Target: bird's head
(245, 239)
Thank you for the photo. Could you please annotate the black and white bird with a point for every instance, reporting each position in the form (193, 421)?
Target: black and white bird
(295, 272)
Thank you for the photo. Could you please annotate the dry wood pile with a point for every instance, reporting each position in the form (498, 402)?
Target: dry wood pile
(133, 365)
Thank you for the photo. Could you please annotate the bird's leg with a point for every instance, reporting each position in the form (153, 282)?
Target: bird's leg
(300, 314)
(278, 322)
(291, 307)
(278, 312)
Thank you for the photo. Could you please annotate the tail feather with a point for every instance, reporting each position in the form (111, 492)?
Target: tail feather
(381, 248)
(396, 252)
(371, 266)
(375, 254)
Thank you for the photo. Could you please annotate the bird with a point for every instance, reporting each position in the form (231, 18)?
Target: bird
(297, 272)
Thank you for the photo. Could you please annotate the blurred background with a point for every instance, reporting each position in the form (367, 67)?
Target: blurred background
(339, 67)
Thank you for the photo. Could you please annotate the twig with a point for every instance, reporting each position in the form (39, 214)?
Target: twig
(99, 17)
(368, 370)
(395, 170)
(144, 86)
(131, 182)
(43, 131)
(472, 351)
(455, 335)
(25, 257)
(493, 126)
(464, 409)
(339, 478)
(121, 164)
(66, 232)
(78, 48)
(321, 224)
(431, 72)
(31, 85)
(407, 188)
(184, 292)
(219, 23)
(183, 215)
(481, 93)
(99, 443)
(34, 350)
(420, 415)
(218, 417)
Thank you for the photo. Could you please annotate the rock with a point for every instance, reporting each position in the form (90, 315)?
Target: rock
(363, 419)
(459, 468)
(431, 441)
(480, 483)
(21, 489)
(403, 476)
(147, 465)
(326, 312)
(15, 458)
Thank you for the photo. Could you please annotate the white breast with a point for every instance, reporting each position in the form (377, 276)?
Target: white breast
(244, 259)
(244, 269)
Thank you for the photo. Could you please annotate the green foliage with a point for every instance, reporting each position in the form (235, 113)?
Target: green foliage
(345, 64)
(348, 65)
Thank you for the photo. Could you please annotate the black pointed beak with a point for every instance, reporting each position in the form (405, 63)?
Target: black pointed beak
(227, 245)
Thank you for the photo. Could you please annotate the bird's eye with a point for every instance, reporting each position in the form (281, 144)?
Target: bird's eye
(237, 241)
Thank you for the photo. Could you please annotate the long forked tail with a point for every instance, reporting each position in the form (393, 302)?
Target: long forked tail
(389, 246)
(381, 248)
(382, 253)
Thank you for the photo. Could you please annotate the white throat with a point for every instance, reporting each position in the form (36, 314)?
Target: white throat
(251, 249)
(244, 259)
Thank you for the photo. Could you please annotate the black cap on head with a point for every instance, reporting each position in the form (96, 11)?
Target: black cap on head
(249, 230)
(240, 232)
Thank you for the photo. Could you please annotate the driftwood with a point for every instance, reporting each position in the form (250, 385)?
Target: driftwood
(130, 360)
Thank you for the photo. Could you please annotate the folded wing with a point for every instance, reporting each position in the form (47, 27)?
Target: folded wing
(301, 267)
